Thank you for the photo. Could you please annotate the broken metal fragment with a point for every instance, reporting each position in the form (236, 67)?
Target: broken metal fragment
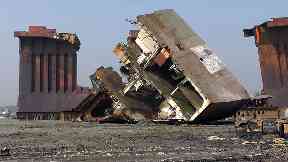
(131, 106)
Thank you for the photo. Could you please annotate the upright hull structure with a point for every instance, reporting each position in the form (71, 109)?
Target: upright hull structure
(48, 74)
(271, 38)
(168, 55)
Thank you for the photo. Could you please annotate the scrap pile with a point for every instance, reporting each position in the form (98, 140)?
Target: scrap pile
(169, 73)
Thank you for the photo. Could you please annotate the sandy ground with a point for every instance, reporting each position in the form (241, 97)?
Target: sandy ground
(55, 141)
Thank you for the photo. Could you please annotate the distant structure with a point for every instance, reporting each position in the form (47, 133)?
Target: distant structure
(271, 38)
(48, 88)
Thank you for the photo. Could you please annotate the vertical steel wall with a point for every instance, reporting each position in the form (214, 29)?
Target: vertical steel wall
(47, 72)
(46, 66)
(271, 38)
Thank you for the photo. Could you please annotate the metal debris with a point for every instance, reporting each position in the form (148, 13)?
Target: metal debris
(5, 151)
(283, 129)
(280, 142)
(131, 106)
(167, 73)
(215, 138)
(165, 54)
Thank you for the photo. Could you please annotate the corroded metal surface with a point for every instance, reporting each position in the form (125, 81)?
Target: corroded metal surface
(48, 71)
(43, 32)
(179, 65)
(271, 40)
(132, 106)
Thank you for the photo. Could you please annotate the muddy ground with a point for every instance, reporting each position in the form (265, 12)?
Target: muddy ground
(71, 141)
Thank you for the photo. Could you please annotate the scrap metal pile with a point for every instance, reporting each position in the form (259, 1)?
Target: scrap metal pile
(169, 73)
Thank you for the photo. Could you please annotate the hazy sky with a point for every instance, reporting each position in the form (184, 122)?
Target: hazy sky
(101, 24)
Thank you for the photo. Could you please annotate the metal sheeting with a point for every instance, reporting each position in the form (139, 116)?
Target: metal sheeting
(221, 92)
(48, 71)
(131, 106)
(271, 40)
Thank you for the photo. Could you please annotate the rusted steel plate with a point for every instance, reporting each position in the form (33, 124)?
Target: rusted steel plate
(278, 22)
(272, 46)
(37, 31)
(133, 106)
(46, 76)
(221, 92)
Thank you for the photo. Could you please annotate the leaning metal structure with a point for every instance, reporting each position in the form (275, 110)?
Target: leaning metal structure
(167, 54)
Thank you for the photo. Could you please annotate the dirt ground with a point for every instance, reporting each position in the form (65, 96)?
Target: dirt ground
(55, 141)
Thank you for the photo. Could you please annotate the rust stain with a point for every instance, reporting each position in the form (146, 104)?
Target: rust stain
(271, 40)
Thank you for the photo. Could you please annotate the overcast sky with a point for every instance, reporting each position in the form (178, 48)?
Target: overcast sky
(101, 24)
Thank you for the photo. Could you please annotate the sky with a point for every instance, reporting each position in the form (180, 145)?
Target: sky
(101, 24)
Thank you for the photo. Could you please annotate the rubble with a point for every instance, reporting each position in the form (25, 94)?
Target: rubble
(280, 141)
(5, 151)
(215, 138)
(168, 74)
(168, 71)
(131, 106)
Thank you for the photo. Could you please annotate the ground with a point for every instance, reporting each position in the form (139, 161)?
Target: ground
(74, 141)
